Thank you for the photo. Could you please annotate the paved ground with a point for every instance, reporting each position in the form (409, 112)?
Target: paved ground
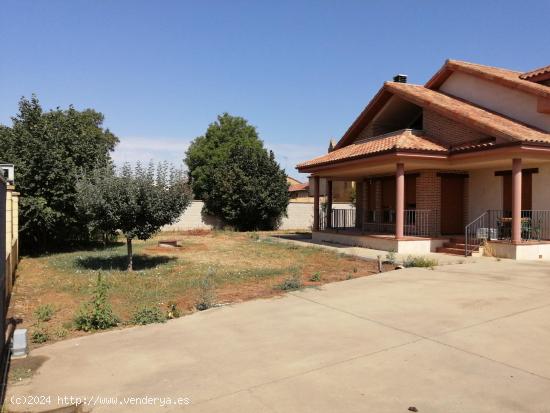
(460, 338)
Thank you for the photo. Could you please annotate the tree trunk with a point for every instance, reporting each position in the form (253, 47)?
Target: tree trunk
(130, 257)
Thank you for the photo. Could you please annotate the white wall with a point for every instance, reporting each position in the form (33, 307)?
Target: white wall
(516, 104)
(300, 217)
(485, 192)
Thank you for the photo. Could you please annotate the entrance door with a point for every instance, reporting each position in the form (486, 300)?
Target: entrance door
(452, 204)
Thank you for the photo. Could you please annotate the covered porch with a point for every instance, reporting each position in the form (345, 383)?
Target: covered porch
(425, 202)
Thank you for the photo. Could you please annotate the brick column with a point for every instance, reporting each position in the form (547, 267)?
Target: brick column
(329, 203)
(399, 200)
(516, 201)
(315, 203)
(359, 204)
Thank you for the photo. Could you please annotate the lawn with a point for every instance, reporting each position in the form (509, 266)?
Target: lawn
(241, 266)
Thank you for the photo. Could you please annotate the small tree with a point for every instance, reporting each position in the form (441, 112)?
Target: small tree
(137, 201)
(236, 177)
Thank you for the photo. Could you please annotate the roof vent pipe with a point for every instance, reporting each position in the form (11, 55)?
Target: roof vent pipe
(399, 78)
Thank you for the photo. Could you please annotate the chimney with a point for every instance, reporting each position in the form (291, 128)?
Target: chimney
(399, 78)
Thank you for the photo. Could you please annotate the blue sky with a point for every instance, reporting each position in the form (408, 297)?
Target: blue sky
(301, 71)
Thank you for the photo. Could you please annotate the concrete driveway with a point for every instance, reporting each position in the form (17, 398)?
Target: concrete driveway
(460, 338)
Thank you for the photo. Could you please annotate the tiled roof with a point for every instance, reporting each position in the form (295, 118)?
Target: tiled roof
(405, 139)
(509, 78)
(533, 74)
(467, 113)
(298, 187)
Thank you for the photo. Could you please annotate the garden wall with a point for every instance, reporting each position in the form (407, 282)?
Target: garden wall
(300, 217)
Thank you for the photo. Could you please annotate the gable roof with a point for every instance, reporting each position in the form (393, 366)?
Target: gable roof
(505, 77)
(298, 187)
(403, 140)
(537, 75)
(464, 112)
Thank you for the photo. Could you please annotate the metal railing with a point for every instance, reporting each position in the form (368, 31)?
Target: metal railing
(417, 222)
(341, 218)
(497, 225)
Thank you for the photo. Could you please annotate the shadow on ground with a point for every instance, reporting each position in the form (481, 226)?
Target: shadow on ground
(120, 262)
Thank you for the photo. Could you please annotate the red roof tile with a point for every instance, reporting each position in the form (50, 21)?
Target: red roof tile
(536, 75)
(467, 113)
(298, 187)
(509, 78)
(406, 139)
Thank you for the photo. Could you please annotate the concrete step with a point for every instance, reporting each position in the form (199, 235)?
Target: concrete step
(451, 250)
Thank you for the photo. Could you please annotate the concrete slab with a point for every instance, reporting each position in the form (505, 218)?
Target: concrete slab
(460, 338)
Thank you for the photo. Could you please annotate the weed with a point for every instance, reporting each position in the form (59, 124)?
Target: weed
(423, 262)
(96, 314)
(349, 277)
(254, 236)
(44, 312)
(390, 257)
(61, 333)
(148, 315)
(207, 291)
(315, 277)
(173, 311)
(292, 282)
(39, 335)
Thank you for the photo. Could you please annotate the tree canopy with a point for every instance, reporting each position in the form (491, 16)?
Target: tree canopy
(237, 178)
(50, 150)
(137, 201)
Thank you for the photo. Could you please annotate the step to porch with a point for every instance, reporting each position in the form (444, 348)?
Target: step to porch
(455, 246)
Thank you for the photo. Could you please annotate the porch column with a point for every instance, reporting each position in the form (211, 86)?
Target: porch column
(329, 203)
(315, 203)
(516, 200)
(359, 204)
(399, 200)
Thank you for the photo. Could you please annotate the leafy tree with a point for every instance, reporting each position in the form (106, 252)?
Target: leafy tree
(236, 177)
(137, 201)
(50, 150)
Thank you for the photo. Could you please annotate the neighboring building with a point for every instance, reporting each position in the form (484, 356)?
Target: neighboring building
(460, 161)
(299, 191)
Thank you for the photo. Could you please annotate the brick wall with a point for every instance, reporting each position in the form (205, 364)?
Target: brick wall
(428, 196)
(448, 130)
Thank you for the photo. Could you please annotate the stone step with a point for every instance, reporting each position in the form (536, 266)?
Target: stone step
(450, 250)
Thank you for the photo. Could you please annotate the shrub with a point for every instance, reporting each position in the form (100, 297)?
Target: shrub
(292, 282)
(419, 262)
(96, 314)
(44, 312)
(173, 311)
(315, 277)
(148, 315)
(390, 257)
(39, 335)
(207, 292)
(61, 332)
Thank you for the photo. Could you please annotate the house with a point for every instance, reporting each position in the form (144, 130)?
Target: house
(342, 191)
(458, 163)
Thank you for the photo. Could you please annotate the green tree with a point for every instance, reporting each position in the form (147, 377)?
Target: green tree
(50, 150)
(137, 201)
(236, 177)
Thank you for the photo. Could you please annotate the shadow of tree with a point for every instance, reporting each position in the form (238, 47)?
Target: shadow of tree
(120, 262)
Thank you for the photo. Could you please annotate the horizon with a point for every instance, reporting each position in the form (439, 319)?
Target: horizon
(300, 72)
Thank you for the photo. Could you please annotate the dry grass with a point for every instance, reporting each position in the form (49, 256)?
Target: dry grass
(243, 266)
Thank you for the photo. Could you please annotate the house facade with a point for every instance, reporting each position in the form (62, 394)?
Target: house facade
(448, 166)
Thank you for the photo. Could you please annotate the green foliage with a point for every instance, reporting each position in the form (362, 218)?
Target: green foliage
(50, 150)
(315, 277)
(61, 333)
(39, 335)
(207, 291)
(148, 315)
(419, 262)
(44, 312)
(292, 282)
(96, 314)
(138, 201)
(390, 257)
(237, 178)
(173, 310)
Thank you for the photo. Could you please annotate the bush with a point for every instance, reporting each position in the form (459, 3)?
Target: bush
(39, 335)
(148, 315)
(423, 262)
(173, 311)
(390, 257)
(315, 277)
(292, 282)
(96, 314)
(44, 312)
(61, 332)
(207, 292)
